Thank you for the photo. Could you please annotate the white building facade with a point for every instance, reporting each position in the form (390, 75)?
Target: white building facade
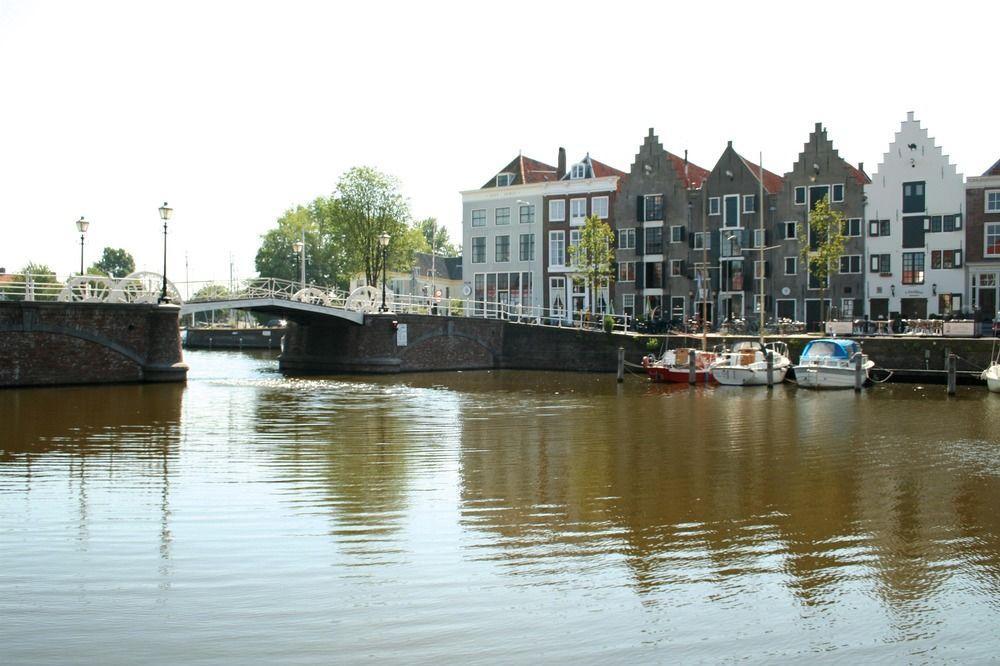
(914, 226)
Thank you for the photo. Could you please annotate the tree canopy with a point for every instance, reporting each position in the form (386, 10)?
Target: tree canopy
(593, 259)
(114, 262)
(825, 246)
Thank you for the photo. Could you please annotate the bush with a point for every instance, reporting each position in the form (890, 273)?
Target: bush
(609, 323)
(652, 344)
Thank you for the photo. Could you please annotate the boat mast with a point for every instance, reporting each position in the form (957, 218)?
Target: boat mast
(760, 206)
(706, 282)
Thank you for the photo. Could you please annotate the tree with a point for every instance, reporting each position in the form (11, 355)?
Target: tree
(113, 262)
(437, 237)
(825, 246)
(593, 259)
(45, 285)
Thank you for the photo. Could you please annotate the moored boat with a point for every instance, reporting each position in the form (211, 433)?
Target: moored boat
(992, 377)
(829, 363)
(746, 364)
(675, 365)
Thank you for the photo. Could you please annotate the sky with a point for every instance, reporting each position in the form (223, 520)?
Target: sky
(235, 111)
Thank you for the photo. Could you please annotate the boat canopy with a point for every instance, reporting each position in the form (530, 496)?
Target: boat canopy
(827, 347)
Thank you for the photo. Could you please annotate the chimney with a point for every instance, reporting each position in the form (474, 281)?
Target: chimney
(909, 115)
(729, 144)
(861, 167)
(561, 164)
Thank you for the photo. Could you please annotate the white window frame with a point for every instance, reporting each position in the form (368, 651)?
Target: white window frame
(672, 227)
(678, 263)
(531, 247)
(795, 230)
(849, 257)
(847, 308)
(628, 301)
(574, 241)
(628, 235)
(578, 171)
(604, 203)
(558, 237)
(759, 238)
(625, 279)
(795, 263)
(705, 237)
(986, 201)
(986, 237)
(531, 213)
(509, 178)
(805, 195)
(752, 208)
(738, 224)
(485, 250)
(473, 219)
(860, 224)
(496, 249)
(795, 306)
(833, 190)
(714, 206)
(496, 216)
(573, 217)
(645, 207)
(557, 210)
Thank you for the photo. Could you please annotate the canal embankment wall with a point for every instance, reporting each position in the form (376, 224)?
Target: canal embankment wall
(417, 343)
(45, 343)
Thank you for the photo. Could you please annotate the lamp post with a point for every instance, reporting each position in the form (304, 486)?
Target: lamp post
(384, 242)
(165, 213)
(300, 249)
(81, 226)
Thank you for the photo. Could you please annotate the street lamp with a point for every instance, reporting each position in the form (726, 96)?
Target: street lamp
(81, 226)
(384, 242)
(165, 213)
(300, 249)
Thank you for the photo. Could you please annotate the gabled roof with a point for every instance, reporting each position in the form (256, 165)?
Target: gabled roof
(689, 173)
(993, 170)
(593, 169)
(525, 171)
(772, 181)
(449, 268)
(858, 174)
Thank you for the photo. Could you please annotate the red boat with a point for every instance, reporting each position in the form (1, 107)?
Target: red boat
(674, 366)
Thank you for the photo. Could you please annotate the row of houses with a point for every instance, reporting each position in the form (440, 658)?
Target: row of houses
(921, 240)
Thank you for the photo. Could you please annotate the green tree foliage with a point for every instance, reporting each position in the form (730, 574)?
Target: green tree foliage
(593, 259)
(825, 247)
(115, 262)
(437, 237)
(46, 285)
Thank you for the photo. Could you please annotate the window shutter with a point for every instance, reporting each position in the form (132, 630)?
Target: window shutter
(690, 241)
(665, 274)
(640, 276)
(683, 233)
(873, 263)
(640, 241)
(640, 214)
(767, 268)
(781, 231)
(958, 258)
(958, 221)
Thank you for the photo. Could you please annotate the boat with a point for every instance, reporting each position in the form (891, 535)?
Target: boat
(746, 364)
(674, 365)
(992, 374)
(829, 363)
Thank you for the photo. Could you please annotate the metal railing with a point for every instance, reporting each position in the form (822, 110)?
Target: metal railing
(141, 287)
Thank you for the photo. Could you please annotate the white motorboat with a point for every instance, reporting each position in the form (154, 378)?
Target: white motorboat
(992, 377)
(829, 363)
(746, 364)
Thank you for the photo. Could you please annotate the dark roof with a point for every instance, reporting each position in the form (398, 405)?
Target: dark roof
(449, 268)
(695, 175)
(595, 169)
(772, 181)
(993, 170)
(525, 171)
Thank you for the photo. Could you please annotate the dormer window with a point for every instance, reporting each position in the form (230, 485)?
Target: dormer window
(578, 171)
(504, 179)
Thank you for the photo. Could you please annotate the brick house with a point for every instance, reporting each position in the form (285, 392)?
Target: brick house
(586, 188)
(982, 238)
(654, 214)
(792, 292)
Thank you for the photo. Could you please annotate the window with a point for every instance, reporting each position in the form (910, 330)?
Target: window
(791, 230)
(731, 211)
(527, 214)
(749, 201)
(501, 216)
(713, 205)
(628, 305)
(878, 228)
(913, 197)
(557, 248)
(946, 259)
(504, 179)
(702, 240)
(850, 263)
(527, 247)
(676, 234)
(654, 240)
(599, 206)
(851, 227)
(677, 307)
(653, 206)
(676, 268)
(502, 249)
(952, 222)
(880, 264)
(479, 217)
(577, 210)
(913, 268)
(993, 201)
(626, 271)
(759, 236)
(838, 193)
(791, 265)
(479, 249)
(578, 171)
(847, 308)
(800, 196)
(557, 210)
(935, 227)
(626, 239)
(574, 241)
(654, 275)
(992, 239)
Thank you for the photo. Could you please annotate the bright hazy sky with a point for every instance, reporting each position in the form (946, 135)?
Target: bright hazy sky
(233, 112)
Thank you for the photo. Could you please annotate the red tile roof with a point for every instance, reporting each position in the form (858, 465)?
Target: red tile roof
(858, 174)
(695, 175)
(772, 181)
(993, 170)
(602, 170)
(526, 171)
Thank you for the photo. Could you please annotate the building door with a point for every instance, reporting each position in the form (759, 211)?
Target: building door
(785, 308)
(732, 305)
(814, 317)
(878, 308)
(913, 308)
(579, 302)
(988, 301)
(557, 297)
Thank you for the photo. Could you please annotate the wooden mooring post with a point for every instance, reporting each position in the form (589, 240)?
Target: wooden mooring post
(952, 372)
(621, 364)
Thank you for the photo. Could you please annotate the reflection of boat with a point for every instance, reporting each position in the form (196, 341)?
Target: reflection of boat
(746, 364)
(674, 365)
(829, 363)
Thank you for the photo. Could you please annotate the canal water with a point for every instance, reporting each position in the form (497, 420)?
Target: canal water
(487, 517)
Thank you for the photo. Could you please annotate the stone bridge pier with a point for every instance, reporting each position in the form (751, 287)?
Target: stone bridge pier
(47, 343)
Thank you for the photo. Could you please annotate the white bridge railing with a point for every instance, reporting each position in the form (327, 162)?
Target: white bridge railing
(140, 287)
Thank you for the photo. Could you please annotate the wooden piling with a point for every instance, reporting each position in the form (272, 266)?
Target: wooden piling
(621, 364)
(952, 371)
(770, 369)
(859, 372)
